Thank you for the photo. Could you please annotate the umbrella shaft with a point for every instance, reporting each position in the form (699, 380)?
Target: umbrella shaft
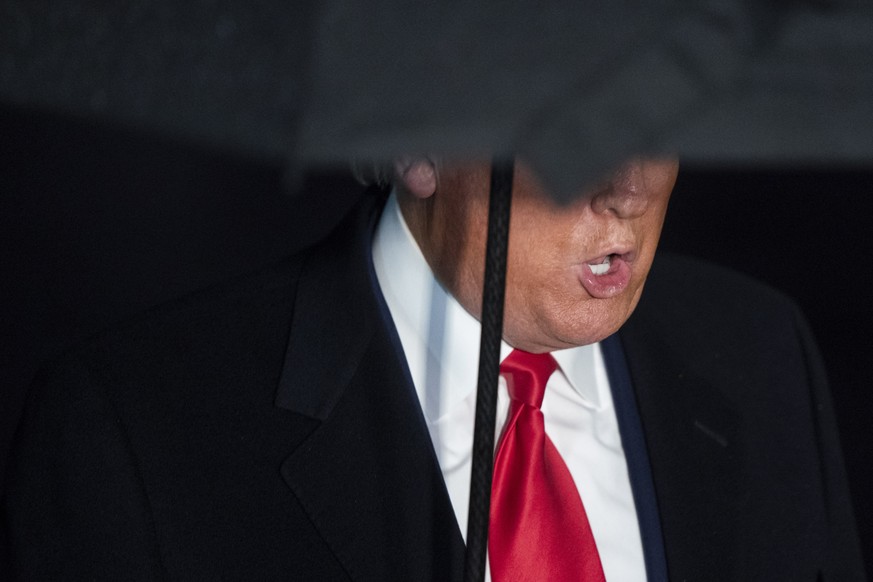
(489, 368)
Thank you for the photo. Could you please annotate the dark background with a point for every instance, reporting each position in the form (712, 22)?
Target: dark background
(97, 224)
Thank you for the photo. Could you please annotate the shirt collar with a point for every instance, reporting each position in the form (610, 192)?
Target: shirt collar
(440, 338)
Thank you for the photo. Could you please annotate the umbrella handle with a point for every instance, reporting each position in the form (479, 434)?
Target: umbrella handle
(493, 292)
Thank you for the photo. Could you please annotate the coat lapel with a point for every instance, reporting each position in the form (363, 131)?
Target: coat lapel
(693, 437)
(367, 475)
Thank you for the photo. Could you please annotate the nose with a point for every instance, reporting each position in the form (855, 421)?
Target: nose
(625, 194)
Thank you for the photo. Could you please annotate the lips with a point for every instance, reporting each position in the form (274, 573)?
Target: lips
(606, 276)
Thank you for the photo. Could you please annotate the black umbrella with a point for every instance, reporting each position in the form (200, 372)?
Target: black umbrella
(223, 73)
(575, 89)
(572, 88)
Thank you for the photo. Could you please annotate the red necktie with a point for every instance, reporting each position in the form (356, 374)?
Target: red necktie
(538, 528)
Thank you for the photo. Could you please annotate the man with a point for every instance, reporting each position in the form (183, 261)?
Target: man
(575, 286)
(302, 423)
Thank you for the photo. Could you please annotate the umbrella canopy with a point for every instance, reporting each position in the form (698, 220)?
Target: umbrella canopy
(574, 88)
(223, 73)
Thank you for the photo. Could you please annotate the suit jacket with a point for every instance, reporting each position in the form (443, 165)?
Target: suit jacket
(268, 429)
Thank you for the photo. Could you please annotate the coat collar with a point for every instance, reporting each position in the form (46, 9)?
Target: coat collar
(367, 475)
(335, 316)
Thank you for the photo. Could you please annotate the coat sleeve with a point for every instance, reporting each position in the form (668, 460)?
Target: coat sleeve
(75, 507)
(843, 560)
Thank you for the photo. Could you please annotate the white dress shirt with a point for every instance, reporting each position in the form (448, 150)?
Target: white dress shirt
(441, 343)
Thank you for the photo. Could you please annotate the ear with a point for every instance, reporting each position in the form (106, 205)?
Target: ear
(417, 175)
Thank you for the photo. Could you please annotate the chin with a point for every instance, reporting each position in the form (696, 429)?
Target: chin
(560, 337)
(562, 323)
(594, 327)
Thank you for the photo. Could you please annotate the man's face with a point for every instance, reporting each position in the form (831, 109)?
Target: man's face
(575, 272)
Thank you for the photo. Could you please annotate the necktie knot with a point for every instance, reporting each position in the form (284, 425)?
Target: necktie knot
(526, 375)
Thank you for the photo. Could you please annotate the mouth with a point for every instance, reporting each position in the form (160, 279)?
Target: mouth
(607, 275)
(603, 265)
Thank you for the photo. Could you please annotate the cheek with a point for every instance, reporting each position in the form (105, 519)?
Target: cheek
(533, 270)
(649, 236)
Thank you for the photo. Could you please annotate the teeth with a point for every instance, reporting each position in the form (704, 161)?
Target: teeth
(602, 267)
